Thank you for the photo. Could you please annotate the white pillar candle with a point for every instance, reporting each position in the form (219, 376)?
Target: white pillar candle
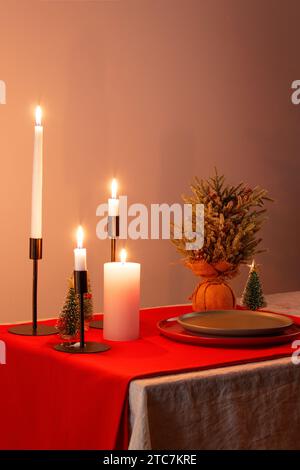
(113, 202)
(37, 177)
(121, 300)
(80, 252)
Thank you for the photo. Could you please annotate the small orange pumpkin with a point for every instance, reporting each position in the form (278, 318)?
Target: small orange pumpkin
(213, 295)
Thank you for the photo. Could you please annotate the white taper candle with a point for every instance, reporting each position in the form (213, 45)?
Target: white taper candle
(37, 177)
(113, 202)
(80, 252)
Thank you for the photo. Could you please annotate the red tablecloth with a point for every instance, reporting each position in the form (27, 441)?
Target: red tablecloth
(52, 400)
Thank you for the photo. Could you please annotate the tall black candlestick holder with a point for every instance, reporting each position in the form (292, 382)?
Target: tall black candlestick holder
(113, 243)
(82, 347)
(113, 228)
(33, 329)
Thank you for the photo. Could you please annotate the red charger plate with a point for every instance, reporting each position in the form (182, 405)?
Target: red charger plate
(171, 329)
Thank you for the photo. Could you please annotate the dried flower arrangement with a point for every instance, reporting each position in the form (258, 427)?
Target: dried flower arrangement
(233, 216)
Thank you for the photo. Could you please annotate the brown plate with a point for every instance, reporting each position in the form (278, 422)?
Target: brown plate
(234, 323)
(172, 330)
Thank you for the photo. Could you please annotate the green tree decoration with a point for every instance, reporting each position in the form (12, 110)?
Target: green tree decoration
(253, 297)
(68, 324)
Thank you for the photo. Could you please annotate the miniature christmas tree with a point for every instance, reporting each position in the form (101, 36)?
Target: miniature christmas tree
(68, 324)
(69, 320)
(253, 297)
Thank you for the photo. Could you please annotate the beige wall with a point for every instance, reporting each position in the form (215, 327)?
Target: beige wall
(153, 92)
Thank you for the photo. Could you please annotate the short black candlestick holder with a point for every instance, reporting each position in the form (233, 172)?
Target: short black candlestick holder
(33, 329)
(113, 228)
(82, 347)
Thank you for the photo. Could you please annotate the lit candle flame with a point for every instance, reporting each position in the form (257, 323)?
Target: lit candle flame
(114, 188)
(80, 236)
(123, 255)
(38, 116)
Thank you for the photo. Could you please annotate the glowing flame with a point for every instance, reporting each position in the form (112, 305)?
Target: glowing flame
(123, 256)
(114, 188)
(38, 116)
(80, 236)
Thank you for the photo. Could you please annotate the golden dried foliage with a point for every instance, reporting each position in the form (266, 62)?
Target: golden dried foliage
(233, 216)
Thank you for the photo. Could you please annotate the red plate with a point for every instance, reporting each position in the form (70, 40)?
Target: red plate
(173, 330)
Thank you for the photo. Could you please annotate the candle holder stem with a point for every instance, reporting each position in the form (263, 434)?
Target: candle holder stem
(81, 302)
(33, 329)
(113, 243)
(34, 294)
(83, 347)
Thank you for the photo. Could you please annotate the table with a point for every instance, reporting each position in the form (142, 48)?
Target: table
(252, 406)
(52, 400)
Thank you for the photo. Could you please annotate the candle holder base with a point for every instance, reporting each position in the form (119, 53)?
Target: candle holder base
(90, 347)
(97, 324)
(28, 330)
